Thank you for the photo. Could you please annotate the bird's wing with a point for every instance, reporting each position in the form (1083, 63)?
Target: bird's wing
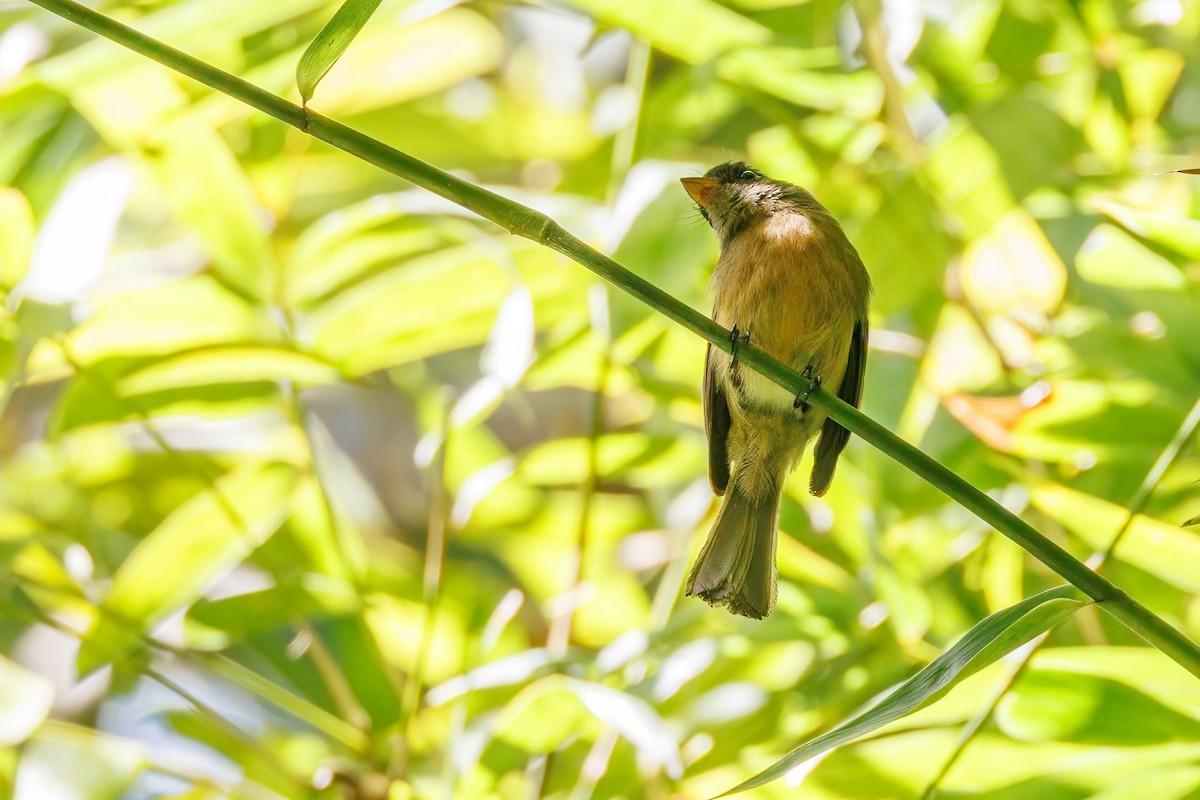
(833, 436)
(716, 425)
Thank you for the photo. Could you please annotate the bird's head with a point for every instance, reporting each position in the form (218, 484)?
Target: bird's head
(733, 195)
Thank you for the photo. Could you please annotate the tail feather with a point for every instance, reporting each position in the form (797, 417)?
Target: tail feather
(736, 567)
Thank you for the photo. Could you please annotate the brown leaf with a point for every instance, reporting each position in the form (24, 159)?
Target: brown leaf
(992, 419)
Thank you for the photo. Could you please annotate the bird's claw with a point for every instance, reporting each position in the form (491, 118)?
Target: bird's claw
(737, 338)
(801, 401)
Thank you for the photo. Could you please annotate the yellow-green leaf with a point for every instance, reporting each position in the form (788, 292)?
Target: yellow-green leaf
(330, 43)
(200, 541)
(16, 236)
(25, 699)
(229, 365)
(986, 642)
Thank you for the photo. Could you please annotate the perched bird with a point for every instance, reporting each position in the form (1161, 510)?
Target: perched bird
(788, 277)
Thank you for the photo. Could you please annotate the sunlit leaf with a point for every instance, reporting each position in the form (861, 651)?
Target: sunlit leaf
(1178, 234)
(16, 236)
(1065, 706)
(25, 698)
(210, 193)
(164, 320)
(295, 705)
(328, 46)
(1014, 269)
(66, 760)
(431, 304)
(407, 61)
(200, 541)
(989, 640)
(711, 29)
(787, 73)
(1162, 549)
(228, 365)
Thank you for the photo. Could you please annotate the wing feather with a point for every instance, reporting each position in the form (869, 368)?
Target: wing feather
(716, 426)
(833, 436)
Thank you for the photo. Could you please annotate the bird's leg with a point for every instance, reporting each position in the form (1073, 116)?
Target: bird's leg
(736, 339)
(801, 401)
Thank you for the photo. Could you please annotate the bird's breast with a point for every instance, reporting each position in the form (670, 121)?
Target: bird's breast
(792, 286)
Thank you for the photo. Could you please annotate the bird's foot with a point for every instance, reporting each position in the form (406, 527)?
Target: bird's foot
(801, 401)
(737, 338)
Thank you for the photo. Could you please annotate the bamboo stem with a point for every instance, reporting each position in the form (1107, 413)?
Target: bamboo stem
(537, 227)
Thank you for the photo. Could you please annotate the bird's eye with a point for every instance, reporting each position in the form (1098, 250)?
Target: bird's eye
(750, 175)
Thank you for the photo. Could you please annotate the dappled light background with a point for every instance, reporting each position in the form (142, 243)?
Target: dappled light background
(313, 485)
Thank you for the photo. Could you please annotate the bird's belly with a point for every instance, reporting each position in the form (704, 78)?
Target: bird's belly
(794, 330)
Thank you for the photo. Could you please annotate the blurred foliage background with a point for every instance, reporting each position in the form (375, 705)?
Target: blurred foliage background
(315, 486)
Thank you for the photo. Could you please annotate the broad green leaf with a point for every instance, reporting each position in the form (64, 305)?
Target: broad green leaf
(313, 596)
(16, 236)
(711, 29)
(1065, 706)
(25, 698)
(1169, 783)
(543, 716)
(987, 641)
(68, 761)
(228, 365)
(207, 27)
(636, 457)
(200, 541)
(1013, 269)
(1177, 234)
(966, 176)
(556, 708)
(406, 61)
(399, 626)
(330, 43)
(436, 302)
(162, 320)
(210, 192)
(786, 73)
(1165, 551)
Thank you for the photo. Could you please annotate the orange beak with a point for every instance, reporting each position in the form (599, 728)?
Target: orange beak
(700, 189)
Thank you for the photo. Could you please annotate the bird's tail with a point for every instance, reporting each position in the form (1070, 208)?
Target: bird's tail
(736, 567)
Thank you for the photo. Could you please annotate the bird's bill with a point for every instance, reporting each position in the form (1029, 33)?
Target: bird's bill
(700, 189)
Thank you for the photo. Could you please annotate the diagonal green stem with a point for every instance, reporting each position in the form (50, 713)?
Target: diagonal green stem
(537, 227)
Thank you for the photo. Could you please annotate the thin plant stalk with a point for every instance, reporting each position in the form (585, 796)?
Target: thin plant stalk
(537, 227)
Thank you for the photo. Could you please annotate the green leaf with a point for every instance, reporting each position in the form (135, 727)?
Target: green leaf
(1066, 706)
(16, 236)
(1163, 550)
(989, 640)
(788, 74)
(295, 705)
(441, 301)
(81, 763)
(162, 320)
(228, 365)
(171, 568)
(200, 540)
(330, 43)
(1177, 234)
(710, 30)
(209, 191)
(25, 699)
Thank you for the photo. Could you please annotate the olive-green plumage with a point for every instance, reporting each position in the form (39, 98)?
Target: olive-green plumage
(789, 277)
